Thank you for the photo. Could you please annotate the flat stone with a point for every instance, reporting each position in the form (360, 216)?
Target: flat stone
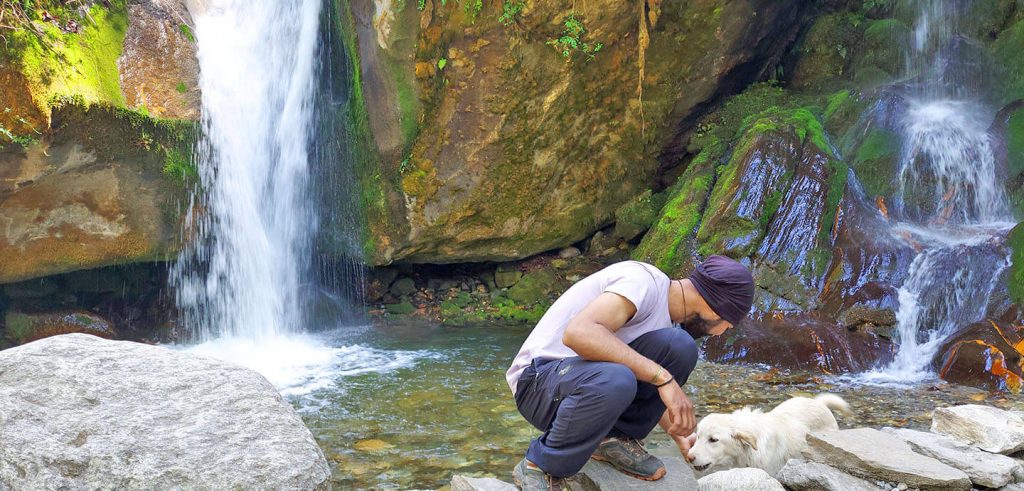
(872, 454)
(988, 428)
(80, 412)
(599, 476)
(984, 469)
(1012, 487)
(800, 475)
(746, 478)
(466, 483)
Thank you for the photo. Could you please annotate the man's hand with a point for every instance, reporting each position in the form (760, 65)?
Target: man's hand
(679, 410)
(685, 443)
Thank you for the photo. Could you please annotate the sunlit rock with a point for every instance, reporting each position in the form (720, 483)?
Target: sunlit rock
(744, 478)
(988, 428)
(800, 475)
(984, 469)
(80, 412)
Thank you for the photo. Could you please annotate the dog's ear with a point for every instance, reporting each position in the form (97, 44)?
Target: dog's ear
(745, 438)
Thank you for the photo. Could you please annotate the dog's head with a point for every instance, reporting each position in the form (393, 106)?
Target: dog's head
(722, 443)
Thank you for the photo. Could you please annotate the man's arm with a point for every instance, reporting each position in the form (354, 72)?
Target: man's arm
(590, 335)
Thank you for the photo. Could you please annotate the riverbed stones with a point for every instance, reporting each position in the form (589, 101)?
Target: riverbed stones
(466, 483)
(22, 328)
(746, 478)
(80, 412)
(988, 428)
(801, 475)
(985, 469)
(870, 453)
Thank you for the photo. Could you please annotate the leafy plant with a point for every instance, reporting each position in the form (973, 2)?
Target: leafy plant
(404, 166)
(571, 41)
(510, 10)
(443, 62)
(181, 87)
(421, 5)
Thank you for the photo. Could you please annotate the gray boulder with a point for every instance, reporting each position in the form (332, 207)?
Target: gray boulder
(599, 476)
(80, 412)
(466, 483)
(988, 428)
(872, 454)
(800, 475)
(985, 469)
(746, 478)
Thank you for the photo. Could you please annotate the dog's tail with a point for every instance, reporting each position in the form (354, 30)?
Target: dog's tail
(834, 403)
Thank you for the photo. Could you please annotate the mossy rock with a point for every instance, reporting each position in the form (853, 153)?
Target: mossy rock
(636, 216)
(875, 162)
(826, 50)
(883, 46)
(1007, 51)
(1015, 281)
(23, 328)
(669, 243)
(404, 307)
(534, 287)
(403, 287)
(507, 276)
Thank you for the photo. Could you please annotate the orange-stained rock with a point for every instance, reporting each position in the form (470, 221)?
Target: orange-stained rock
(24, 328)
(19, 114)
(985, 354)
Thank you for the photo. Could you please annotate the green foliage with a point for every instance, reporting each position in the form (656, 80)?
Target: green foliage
(187, 32)
(1015, 283)
(472, 8)
(181, 87)
(421, 5)
(179, 166)
(510, 10)
(441, 63)
(404, 166)
(1015, 142)
(571, 40)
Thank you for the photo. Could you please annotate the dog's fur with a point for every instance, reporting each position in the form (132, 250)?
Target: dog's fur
(751, 438)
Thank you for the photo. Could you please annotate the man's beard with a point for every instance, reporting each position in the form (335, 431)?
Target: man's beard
(697, 328)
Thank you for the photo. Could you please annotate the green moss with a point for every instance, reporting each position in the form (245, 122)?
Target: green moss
(665, 245)
(179, 166)
(874, 162)
(835, 102)
(81, 64)
(18, 326)
(883, 46)
(1015, 283)
(1007, 49)
(1015, 143)
(181, 87)
(838, 173)
(187, 32)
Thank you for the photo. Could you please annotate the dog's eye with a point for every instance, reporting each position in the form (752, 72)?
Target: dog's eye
(712, 439)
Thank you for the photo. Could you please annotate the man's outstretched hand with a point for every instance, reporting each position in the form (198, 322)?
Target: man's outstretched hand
(685, 443)
(681, 420)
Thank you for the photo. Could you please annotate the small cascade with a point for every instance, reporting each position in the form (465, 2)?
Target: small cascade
(949, 205)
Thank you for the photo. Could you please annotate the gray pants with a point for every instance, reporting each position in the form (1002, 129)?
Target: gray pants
(577, 403)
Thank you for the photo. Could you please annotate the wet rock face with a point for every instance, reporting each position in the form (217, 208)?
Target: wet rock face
(506, 149)
(799, 341)
(92, 193)
(158, 66)
(84, 413)
(984, 354)
(22, 328)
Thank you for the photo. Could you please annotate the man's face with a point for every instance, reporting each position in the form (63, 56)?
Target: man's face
(707, 324)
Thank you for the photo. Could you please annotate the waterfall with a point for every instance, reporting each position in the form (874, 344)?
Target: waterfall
(949, 203)
(252, 224)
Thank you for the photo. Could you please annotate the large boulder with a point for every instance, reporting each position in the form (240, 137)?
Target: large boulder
(872, 454)
(494, 145)
(984, 354)
(102, 187)
(79, 412)
(988, 428)
(985, 469)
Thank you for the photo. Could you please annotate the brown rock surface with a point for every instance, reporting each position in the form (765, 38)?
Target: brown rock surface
(158, 66)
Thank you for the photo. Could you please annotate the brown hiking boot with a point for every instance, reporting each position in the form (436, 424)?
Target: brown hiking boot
(628, 456)
(529, 477)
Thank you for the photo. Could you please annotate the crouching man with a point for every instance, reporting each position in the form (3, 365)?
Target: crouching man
(604, 366)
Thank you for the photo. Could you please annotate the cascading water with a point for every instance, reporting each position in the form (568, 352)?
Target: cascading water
(241, 278)
(949, 204)
(243, 283)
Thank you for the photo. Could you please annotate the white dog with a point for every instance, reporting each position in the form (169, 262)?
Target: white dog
(751, 438)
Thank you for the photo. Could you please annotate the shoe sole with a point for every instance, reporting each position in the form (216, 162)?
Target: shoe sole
(658, 474)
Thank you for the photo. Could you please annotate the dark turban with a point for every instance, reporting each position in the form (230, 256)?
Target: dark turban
(726, 286)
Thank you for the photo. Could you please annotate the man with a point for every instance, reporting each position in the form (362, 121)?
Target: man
(604, 366)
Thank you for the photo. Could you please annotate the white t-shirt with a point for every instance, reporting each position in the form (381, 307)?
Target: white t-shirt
(644, 285)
